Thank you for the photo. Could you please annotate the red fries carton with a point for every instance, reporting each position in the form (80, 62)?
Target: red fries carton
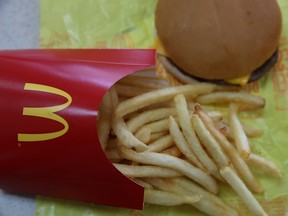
(48, 109)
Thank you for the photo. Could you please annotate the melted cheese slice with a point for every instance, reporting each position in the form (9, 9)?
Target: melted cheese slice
(159, 47)
(242, 81)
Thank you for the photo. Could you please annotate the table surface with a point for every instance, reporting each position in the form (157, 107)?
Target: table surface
(19, 29)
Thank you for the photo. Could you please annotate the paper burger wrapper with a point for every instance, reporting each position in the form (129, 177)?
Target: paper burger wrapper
(49, 101)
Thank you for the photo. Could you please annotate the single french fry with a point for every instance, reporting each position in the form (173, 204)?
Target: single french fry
(240, 138)
(146, 171)
(212, 145)
(173, 151)
(242, 191)
(181, 143)
(225, 131)
(161, 95)
(190, 136)
(249, 131)
(190, 186)
(113, 98)
(125, 136)
(168, 199)
(161, 144)
(167, 104)
(144, 135)
(229, 97)
(104, 120)
(157, 135)
(238, 163)
(252, 131)
(171, 162)
(216, 116)
(149, 116)
(209, 204)
(121, 130)
(263, 164)
(158, 126)
(143, 183)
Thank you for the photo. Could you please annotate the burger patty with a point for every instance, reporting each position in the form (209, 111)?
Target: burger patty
(256, 74)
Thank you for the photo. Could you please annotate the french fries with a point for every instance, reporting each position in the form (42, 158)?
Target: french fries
(181, 143)
(150, 116)
(146, 171)
(168, 199)
(238, 163)
(213, 147)
(216, 116)
(243, 192)
(104, 120)
(173, 151)
(121, 130)
(161, 137)
(143, 183)
(157, 135)
(161, 95)
(191, 187)
(144, 135)
(125, 136)
(241, 140)
(209, 203)
(171, 162)
(229, 97)
(157, 126)
(161, 144)
(263, 164)
(190, 136)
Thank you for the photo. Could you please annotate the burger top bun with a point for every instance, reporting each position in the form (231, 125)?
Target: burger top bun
(218, 39)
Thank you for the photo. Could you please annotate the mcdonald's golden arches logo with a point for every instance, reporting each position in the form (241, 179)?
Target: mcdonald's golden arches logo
(45, 112)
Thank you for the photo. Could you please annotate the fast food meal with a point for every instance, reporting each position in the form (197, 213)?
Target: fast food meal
(177, 148)
(222, 42)
(168, 138)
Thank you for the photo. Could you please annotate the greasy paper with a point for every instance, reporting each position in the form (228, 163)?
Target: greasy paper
(130, 24)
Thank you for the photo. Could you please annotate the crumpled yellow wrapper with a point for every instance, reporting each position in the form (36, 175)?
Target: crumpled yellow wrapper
(130, 24)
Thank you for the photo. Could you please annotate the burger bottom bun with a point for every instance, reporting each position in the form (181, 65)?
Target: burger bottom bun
(184, 77)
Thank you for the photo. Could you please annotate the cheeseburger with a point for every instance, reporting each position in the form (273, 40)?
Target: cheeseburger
(221, 41)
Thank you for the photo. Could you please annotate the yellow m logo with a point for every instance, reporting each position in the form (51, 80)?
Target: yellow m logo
(45, 112)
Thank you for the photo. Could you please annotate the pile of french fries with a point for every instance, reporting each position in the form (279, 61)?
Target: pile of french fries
(164, 139)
